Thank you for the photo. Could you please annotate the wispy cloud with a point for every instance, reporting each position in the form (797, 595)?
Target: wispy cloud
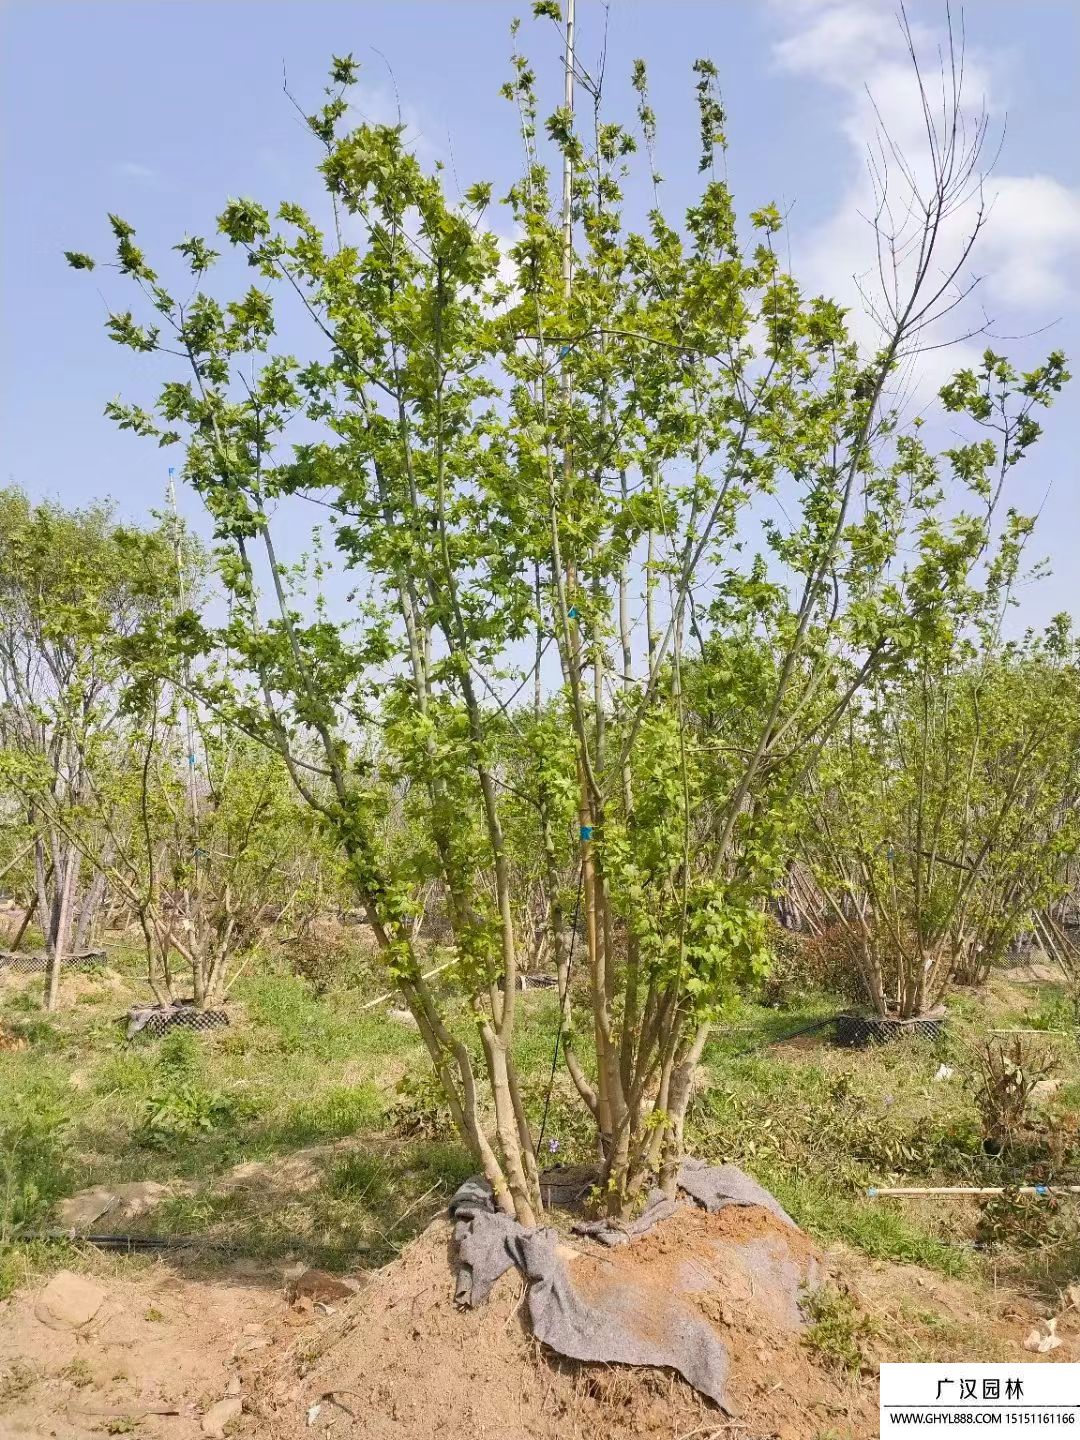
(134, 170)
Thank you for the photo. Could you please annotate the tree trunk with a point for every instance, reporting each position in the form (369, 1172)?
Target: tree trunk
(61, 930)
(24, 924)
(88, 912)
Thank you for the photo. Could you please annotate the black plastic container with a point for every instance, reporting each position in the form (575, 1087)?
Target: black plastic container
(857, 1031)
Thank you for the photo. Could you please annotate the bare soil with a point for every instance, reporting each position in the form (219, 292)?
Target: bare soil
(161, 1341)
(399, 1360)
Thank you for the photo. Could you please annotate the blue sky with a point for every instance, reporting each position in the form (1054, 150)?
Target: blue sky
(161, 109)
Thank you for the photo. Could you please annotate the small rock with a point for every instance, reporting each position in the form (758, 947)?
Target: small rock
(80, 1211)
(319, 1287)
(233, 1387)
(1043, 1089)
(1041, 1342)
(313, 1414)
(223, 1413)
(69, 1301)
(944, 1072)
(403, 1017)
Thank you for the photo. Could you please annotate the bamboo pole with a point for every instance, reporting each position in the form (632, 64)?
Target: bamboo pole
(390, 994)
(1029, 1030)
(875, 1192)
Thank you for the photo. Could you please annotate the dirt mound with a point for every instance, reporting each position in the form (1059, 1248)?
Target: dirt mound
(401, 1360)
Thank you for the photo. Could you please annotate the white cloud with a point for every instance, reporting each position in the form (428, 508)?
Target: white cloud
(1032, 242)
(1028, 255)
(380, 105)
(133, 170)
(838, 41)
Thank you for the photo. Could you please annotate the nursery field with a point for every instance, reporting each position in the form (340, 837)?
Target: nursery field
(309, 1135)
(540, 858)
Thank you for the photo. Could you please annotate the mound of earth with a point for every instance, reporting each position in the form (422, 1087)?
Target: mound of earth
(178, 1349)
(402, 1361)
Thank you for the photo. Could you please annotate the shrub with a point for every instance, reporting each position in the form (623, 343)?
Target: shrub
(1009, 1071)
(1022, 1222)
(420, 1109)
(802, 966)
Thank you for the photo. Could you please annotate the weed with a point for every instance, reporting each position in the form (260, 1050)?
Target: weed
(126, 1073)
(78, 1373)
(32, 1169)
(839, 1330)
(121, 1425)
(359, 1179)
(196, 1214)
(1056, 1011)
(180, 1054)
(179, 1105)
(442, 1160)
(1009, 1072)
(180, 1110)
(339, 1111)
(21, 1262)
(16, 1381)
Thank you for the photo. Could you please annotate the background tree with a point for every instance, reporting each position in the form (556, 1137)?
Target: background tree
(943, 819)
(71, 584)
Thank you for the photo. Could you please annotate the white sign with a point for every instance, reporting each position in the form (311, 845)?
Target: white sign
(941, 1402)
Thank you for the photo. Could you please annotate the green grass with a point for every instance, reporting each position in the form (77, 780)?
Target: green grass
(308, 1069)
(819, 1126)
(872, 1227)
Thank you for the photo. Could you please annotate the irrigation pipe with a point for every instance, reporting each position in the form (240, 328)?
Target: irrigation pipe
(875, 1192)
(763, 1043)
(124, 1242)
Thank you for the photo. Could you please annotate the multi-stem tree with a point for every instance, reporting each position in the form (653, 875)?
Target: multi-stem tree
(629, 446)
(207, 846)
(942, 819)
(72, 584)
